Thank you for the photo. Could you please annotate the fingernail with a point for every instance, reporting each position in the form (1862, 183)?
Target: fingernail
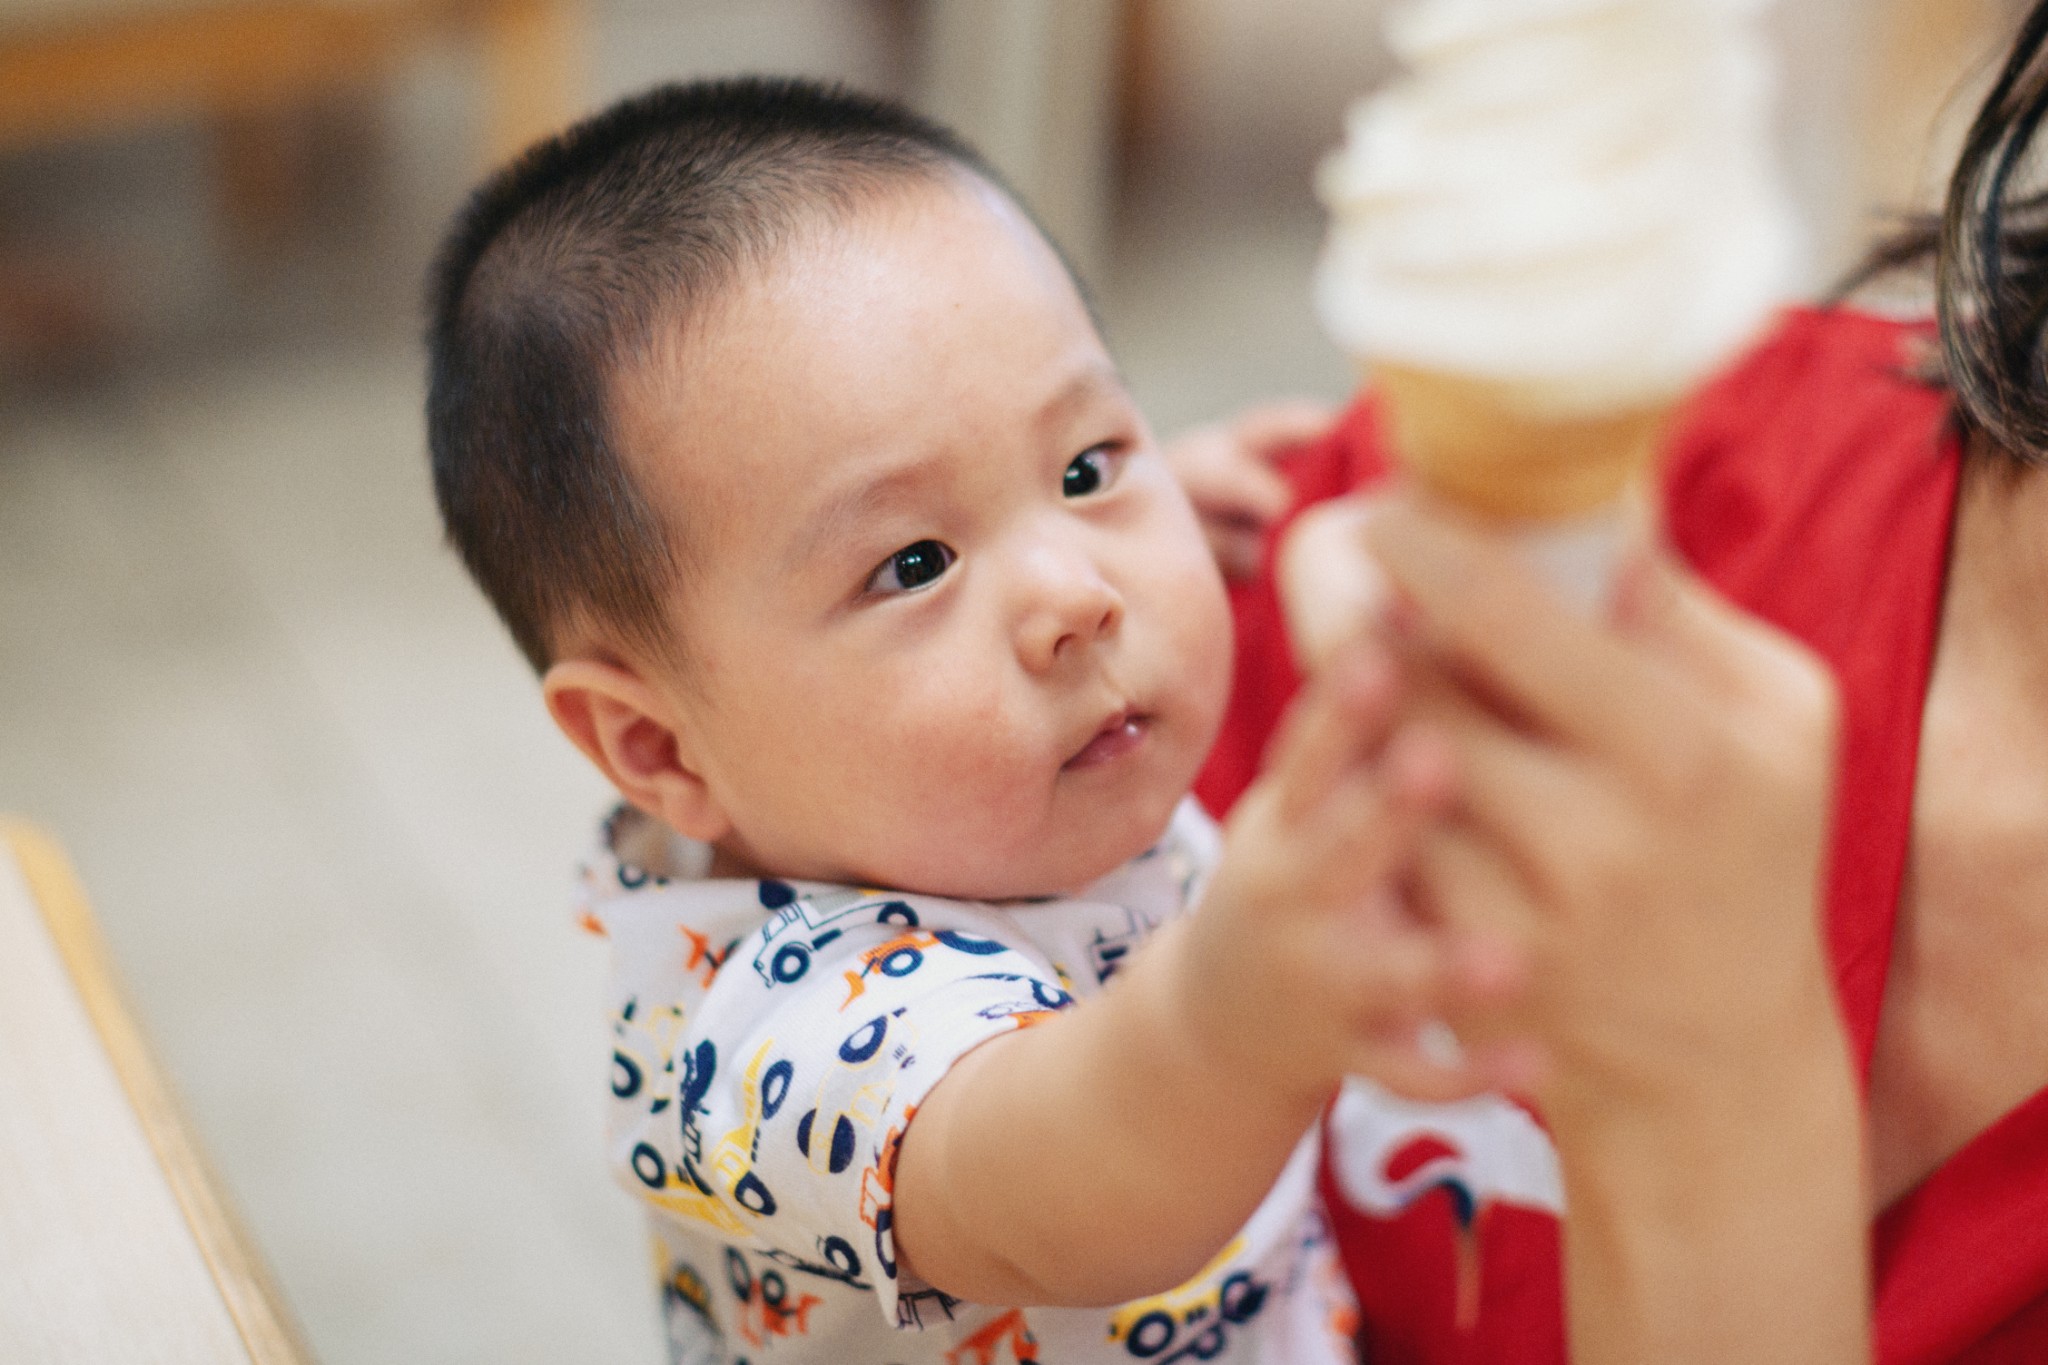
(1439, 1045)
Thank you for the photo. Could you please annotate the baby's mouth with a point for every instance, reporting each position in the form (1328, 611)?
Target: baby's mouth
(1121, 734)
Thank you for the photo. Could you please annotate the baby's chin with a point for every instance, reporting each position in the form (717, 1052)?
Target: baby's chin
(1045, 870)
(1007, 855)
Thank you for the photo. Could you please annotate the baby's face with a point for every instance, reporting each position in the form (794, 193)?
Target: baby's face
(949, 623)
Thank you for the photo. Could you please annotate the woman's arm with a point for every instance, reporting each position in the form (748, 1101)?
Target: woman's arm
(1644, 804)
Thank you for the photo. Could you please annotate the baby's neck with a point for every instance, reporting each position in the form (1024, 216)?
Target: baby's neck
(732, 863)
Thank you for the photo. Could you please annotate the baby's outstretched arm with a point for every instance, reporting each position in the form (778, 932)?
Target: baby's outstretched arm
(1111, 1151)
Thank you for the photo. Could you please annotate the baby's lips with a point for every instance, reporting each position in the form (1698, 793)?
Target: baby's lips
(1118, 736)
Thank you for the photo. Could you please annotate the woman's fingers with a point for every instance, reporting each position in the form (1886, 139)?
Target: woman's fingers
(1478, 604)
(1227, 467)
(1528, 802)
(1734, 657)
(1245, 492)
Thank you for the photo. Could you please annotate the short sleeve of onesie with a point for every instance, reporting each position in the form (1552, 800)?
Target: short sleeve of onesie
(812, 1052)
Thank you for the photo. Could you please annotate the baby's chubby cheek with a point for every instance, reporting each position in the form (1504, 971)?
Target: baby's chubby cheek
(1204, 647)
(956, 797)
(957, 744)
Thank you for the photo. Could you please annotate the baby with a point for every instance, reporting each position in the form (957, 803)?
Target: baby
(789, 452)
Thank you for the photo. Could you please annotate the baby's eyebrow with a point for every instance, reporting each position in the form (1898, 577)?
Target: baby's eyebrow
(1093, 380)
(842, 512)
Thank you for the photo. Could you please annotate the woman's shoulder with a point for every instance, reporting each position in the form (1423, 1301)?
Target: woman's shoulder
(1829, 427)
(1814, 484)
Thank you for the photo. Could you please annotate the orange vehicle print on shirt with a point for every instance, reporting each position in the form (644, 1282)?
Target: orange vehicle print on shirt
(702, 957)
(767, 1307)
(900, 956)
(985, 1347)
(878, 1194)
(905, 953)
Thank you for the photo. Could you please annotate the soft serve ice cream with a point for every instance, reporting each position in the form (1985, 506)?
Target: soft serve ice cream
(1562, 218)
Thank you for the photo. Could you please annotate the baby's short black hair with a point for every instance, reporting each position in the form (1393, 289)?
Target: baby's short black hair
(562, 266)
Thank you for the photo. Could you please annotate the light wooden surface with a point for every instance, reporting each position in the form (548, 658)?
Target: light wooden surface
(115, 1244)
(113, 67)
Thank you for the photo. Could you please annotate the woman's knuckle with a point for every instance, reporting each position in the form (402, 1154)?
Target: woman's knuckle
(1696, 758)
(1805, 697)
(1596, 863)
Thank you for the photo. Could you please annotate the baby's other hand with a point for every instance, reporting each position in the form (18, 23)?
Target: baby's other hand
(1305, 962)
(1227, 469)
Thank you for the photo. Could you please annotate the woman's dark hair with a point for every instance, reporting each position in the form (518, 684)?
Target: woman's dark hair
(1990, 251)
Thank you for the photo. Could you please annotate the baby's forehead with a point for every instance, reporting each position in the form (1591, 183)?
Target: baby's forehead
(933, 311)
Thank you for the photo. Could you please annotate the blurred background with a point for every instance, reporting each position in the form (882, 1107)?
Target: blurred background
(327, 826)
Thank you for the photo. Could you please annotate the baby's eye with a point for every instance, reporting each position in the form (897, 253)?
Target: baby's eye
(911, 567)
(1091, 471)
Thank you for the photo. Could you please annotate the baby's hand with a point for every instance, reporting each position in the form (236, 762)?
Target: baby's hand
(1330, 586)
(1227, 469)
(1304, 962)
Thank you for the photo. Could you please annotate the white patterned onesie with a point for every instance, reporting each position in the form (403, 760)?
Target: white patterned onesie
(773, 1039)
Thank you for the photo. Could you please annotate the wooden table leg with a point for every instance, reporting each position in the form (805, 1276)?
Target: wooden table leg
(251, 1303)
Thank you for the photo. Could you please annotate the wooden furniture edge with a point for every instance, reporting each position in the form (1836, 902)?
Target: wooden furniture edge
(111, 71)
(252, 1300)
(226, 58)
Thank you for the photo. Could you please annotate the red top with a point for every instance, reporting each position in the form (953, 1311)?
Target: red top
(1814, 485)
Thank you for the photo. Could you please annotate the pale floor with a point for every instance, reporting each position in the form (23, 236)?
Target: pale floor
(326, 824)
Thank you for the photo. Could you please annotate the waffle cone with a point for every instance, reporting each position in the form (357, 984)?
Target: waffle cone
(1482, 445)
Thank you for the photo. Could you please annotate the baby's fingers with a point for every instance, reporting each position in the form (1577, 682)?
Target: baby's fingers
(1331, 587)
(1476, 895)
(1343, 715)
(1423, 1061)
(1367, 831)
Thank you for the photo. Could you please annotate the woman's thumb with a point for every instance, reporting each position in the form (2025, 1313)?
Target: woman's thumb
(1662, 605)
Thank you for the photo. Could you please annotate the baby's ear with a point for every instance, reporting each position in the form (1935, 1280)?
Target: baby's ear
(636, 738)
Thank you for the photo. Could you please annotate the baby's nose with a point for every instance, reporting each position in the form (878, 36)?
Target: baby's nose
(1068, 605)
